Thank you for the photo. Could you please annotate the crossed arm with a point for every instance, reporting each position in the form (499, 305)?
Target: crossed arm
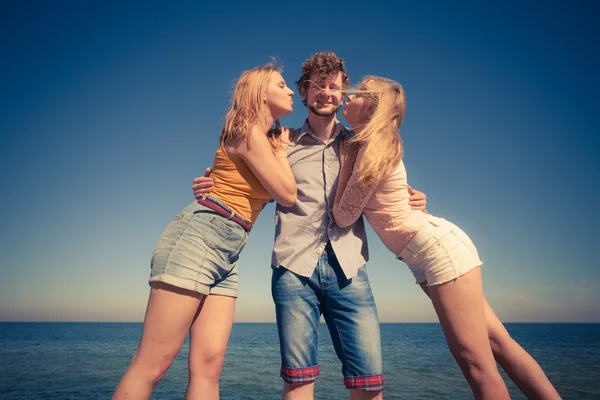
(418, 200)
(352, 196)
(269, 164)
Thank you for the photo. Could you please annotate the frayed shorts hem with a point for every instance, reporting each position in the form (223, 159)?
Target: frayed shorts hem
(439, 253)
(449, 279)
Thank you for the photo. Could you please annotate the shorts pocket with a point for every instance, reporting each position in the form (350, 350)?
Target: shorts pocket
(234, 256)
(464, 238)
(174, 230)
(425, 239)
(217, 232)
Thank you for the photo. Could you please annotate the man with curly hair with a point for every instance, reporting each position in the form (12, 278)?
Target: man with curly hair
(318, 267)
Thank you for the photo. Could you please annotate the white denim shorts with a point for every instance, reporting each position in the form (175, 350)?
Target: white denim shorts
(439, 252)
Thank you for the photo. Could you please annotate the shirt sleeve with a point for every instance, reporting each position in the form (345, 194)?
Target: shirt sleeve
(353, 200)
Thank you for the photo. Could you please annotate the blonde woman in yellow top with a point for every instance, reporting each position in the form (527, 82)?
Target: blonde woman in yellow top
(440, 255)
(194, 267)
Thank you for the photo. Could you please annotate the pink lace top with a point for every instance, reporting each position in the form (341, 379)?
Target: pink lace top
(384, 204)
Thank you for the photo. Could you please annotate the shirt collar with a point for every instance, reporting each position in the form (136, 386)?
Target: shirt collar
(306, 130)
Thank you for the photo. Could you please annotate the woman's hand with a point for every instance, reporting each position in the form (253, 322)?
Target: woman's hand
(417, 200)
(202, 186)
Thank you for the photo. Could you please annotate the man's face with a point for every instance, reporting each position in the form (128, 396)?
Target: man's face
(324, 94)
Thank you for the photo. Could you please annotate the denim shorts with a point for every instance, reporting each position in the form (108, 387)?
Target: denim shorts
(349, 310)
(199, 251)
(440, 252)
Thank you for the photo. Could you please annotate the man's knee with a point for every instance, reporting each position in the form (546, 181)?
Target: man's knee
(361, 394)
(299, 391)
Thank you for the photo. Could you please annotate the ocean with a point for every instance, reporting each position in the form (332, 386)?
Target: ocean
(86, 360)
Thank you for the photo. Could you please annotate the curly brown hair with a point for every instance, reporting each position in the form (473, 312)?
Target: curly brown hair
(323, 63)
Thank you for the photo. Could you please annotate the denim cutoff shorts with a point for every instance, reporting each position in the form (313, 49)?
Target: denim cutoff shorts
(199, 251)
(440, 252)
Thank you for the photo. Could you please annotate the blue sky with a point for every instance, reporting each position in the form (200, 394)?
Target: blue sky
(110, 109)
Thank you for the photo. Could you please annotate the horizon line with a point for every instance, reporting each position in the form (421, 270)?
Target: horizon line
(274, 322)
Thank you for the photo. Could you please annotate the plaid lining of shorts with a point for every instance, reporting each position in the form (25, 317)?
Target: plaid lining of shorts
(368, 383)
(298, 376)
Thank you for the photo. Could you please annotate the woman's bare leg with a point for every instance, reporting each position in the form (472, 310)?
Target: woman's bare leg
(459, 305)
(169, 314)
(522, 369)
(208, 341)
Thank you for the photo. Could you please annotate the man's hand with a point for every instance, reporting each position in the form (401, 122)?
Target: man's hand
(348, 154)
(280, 142)
(417, 200)
(203, 185)
(286, 137)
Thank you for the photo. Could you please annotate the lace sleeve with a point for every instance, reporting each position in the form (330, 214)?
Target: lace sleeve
(353, 200)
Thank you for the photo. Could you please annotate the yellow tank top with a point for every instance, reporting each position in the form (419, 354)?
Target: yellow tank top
(236, 186)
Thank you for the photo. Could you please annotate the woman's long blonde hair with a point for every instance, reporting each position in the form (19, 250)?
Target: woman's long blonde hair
(378, 138)
(247, 105)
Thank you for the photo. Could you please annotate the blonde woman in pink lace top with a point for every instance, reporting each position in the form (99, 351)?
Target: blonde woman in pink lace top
(440, 255)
